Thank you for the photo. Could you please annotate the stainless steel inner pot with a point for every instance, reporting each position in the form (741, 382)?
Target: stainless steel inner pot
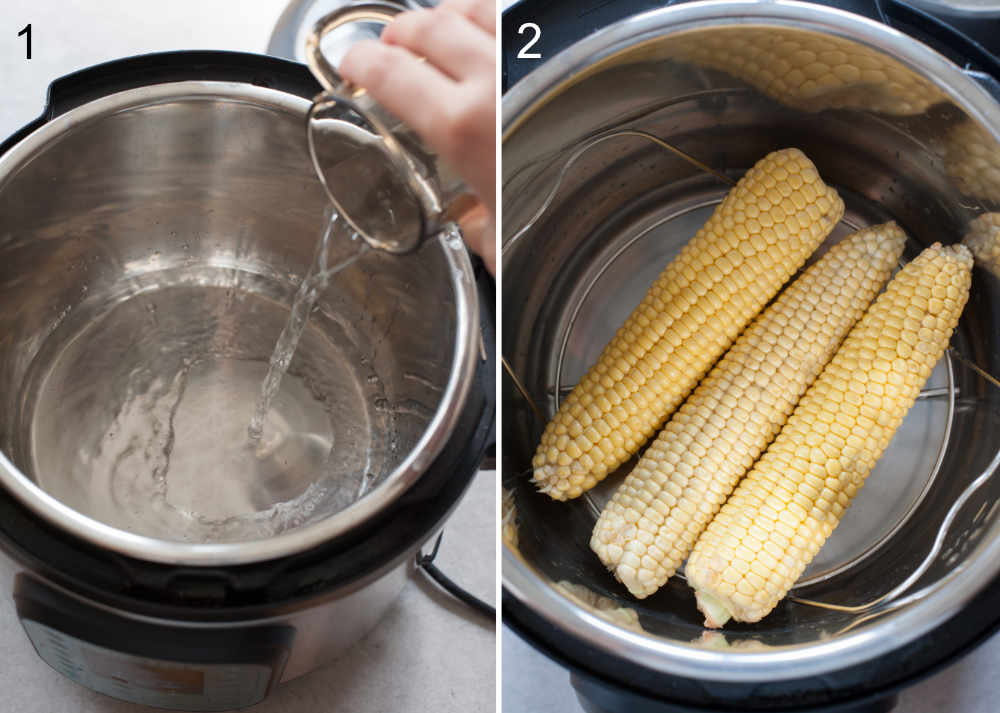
(902, 133)
(151, 242)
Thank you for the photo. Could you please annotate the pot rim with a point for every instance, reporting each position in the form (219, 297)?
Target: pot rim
(867, 641)
(302, 538)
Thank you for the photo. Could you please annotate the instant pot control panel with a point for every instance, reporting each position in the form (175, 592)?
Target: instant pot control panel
(168, 665)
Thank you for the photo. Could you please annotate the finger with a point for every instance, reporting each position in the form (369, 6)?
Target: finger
(478, 230)
(481, 12)
(399, 81)
(451, 42)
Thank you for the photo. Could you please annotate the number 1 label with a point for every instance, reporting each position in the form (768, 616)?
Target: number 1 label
(26, 33)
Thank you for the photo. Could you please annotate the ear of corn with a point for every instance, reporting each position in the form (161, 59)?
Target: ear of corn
(808, 71)
(791, 500)
(651, 524)
(759, 235)
(972, 158)
(983, 239)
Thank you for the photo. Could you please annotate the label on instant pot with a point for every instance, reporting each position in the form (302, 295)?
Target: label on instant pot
(149, 681)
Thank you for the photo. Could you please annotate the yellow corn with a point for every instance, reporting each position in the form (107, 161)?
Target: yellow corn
(508, 519)
(972, 158)
(759, 235)
(791, 500)
(602, 606)
(983, 239)
(810, 72)
(651, 524)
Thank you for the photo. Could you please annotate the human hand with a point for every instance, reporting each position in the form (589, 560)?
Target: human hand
(449, 100)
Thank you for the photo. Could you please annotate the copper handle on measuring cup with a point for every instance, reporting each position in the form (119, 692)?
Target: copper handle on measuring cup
(325, 73)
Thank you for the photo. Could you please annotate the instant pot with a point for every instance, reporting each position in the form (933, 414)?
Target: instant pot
(175, 190)
(611, 144)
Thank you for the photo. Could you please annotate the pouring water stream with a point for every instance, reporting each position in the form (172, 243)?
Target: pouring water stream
(316, 280)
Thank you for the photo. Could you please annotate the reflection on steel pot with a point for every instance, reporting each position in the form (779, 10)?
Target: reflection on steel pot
(164, 272)
(903, 134)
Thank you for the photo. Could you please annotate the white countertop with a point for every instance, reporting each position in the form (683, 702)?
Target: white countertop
(426, 655)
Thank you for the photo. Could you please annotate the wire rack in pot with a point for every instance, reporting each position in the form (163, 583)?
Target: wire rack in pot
(902, 594)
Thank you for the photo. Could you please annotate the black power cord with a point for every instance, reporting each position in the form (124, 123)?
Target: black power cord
(426, 563)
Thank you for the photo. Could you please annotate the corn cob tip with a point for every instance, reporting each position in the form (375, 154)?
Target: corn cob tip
(983, 239)
(556, 482)
(883, 241)
(959, 252)
(715, 611)
(609, 547)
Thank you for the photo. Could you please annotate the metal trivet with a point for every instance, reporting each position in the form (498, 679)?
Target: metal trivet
(889, 601)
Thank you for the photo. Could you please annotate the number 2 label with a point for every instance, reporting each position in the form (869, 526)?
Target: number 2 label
(529, 27)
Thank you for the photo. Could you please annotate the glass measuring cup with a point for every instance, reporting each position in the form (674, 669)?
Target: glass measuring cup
(385, 182)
